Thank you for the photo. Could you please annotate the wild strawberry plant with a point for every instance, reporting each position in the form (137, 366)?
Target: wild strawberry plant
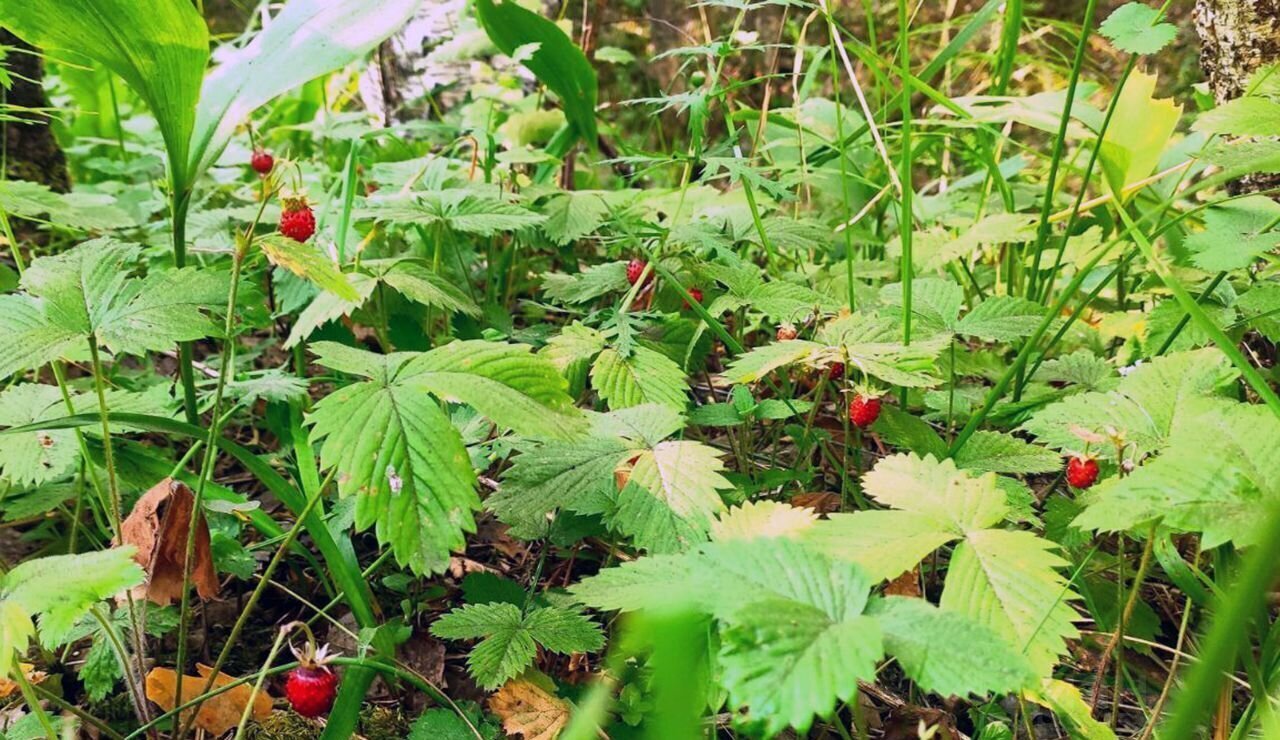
(902, 370)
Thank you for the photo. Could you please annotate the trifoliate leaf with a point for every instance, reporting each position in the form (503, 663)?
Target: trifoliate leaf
(1001, 319)
(591, 283)
(510, 637)
(759, 519)
(61, 588)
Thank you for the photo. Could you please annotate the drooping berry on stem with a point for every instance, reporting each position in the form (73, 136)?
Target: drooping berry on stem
(786, 332)
(1082, 472)
(297, 221)
(312, 686)
(864, 410)
(262, 162)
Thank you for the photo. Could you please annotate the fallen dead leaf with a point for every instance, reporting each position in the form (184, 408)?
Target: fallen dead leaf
(218, 713)
(158, 526)
(527, 709)
(907, 584)
(823, 503)
(7, 687)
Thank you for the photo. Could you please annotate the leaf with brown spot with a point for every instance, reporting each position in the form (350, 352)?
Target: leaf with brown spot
(528, 709)
(218, 713)
(158, 526)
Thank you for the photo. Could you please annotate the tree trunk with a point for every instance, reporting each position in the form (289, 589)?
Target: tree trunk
(1238, 37)
(31, 150)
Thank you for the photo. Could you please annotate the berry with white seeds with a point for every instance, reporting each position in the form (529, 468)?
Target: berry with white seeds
(1082, 472)
(864, 409)
(312, 686)
(635, 268)
(297, 221)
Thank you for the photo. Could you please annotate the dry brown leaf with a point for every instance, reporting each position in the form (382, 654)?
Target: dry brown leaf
(157, 526)
(218, 713)
(527, 709)
(907, 584)
(823, 503)
(7, 687)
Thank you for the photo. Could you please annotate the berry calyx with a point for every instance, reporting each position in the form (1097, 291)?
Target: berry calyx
(787, 332)
(864, 410)
(262, 162)
(312, 686)
(635, 268)
(1082, 472)
(297, 221)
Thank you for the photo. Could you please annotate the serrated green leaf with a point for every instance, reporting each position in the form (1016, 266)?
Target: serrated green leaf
(61, 588)
(646, 376)
(672, 497)
(577, 476)
(1235, 234)
(591, 283)
(464, 211)
(574, 214)
(1133, 28)
(995, 452)
(1009, 582)
(510, 637)
(948, 653)
(398, 453)
(506, 382)
(1001, 319)
(307, 262)
(34, 457)
(418, 283)
(1244, 116)
(1144, 408)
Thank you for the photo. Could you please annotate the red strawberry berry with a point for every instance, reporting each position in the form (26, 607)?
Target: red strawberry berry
(262, 162)
(311, 686)
(635, 268)
(1082, 472)
(311, 689)
(835, 370)
(297, 220)
(864, 410)
(695, 294)
(786, 333)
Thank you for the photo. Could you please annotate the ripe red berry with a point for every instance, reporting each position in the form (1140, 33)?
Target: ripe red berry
(864, 410)
(297, 220)
(311, 689)
(835, 370)
(695, 294)
(635, 268)
(786, 333)
(262, 162)
(1082, 472)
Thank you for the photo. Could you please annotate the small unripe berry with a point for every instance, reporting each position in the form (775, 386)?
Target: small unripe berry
(786, 333)
(1082, 472)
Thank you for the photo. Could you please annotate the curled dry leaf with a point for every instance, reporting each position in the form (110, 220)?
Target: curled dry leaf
(9, 688)
(218, 713)
(527, 709)
(157, 526)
